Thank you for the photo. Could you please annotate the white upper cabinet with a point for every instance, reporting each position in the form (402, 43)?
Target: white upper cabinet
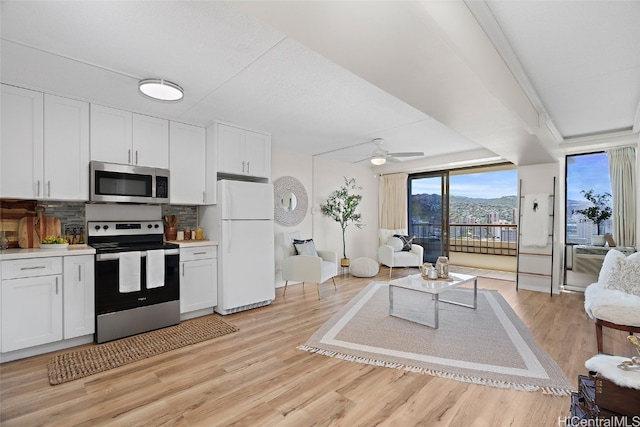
(119, 136)
(150, 141)
(45, 146)
(187, 165)
(66, 149)
(21, 147)
(243, 152)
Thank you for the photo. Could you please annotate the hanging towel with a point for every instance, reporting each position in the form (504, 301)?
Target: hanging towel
(534, 224)
(155, 269)
(129, 272)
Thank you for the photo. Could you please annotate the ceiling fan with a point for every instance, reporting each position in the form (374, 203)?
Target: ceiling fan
(380, 156)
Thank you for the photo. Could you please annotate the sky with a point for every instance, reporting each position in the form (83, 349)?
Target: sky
(486, 185)
(584, 172)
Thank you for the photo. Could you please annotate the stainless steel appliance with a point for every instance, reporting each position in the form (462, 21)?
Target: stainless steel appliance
(123, 312)
(113, 182)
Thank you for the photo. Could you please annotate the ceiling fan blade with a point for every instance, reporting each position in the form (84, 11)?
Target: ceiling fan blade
(407, 154)
(392, 160)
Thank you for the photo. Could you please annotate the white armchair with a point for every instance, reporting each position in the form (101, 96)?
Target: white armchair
(393, 257)
(307, 268)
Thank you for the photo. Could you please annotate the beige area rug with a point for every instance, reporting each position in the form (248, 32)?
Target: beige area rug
(101, 357)
(489, 346)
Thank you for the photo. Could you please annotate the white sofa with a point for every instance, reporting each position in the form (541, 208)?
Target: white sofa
(392, 257)
(614, 300)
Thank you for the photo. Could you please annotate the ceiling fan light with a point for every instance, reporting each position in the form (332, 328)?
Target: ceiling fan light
(160, 89)
(378, 161)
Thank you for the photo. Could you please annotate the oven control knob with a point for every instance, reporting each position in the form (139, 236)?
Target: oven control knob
(105, 227)
(156, 226)
(149, 226)
(97, 227)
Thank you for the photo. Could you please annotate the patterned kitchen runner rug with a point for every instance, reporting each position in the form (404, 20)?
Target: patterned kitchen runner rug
(489, 346)
(101, 357)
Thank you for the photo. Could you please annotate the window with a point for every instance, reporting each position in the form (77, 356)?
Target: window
(585, 172)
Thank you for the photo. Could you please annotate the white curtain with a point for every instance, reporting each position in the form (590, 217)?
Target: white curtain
(392, 209)
(622, 169)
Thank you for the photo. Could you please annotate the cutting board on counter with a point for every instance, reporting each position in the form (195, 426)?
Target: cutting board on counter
(31, 230)
(11, 212)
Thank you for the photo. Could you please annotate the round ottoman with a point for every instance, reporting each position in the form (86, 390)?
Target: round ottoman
(364, 267)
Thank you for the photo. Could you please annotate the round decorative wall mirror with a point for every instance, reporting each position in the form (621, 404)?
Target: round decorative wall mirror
(290, 201)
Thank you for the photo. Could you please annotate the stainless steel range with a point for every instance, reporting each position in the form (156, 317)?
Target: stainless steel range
(137, 279)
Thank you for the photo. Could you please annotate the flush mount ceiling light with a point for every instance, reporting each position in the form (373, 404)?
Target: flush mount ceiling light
(160, 89)
(378, 161)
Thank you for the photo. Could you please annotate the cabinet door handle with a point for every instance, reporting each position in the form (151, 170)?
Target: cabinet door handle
(248, 167)
(56, 286)
(129, 156)
(243, 167)
(79, 273)
(49, 188)
(199, 253)
(136, 157)
(182, 269)
(38, 189)
(203, 200)
(33, 268)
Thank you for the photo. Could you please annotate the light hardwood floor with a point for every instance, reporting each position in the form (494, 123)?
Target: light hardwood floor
(257, 377)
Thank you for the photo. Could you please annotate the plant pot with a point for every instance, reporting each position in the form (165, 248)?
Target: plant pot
(597, 240)
(344, 262)
(171, 233)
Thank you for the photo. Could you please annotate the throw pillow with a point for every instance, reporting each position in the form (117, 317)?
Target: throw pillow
(625, 275)
(608, 263)
(407, 241)
(305, 247)
(395, 243)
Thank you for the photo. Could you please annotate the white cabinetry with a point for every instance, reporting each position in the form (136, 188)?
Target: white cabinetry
(188, 151)
(44, 147)
(79, 311)
(199, 277)
(31, 294)
(21, 155)
(119, 136)
(66, 149)
(243, 152)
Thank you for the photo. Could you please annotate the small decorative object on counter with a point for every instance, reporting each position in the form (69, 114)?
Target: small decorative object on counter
(81, 236)
(4, 242)
(187, 233)
(442, 266)
(199, 233)
(171, 232)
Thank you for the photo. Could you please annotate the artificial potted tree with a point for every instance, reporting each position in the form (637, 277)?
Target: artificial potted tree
(599, 212)
(341, 207)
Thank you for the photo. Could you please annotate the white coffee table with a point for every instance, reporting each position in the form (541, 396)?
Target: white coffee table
(434, 287)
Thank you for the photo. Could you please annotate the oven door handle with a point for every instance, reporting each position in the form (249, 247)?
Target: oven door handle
(143, 254)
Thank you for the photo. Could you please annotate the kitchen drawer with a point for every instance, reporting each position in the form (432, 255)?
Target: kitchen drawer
(198, 252)
(31, 267)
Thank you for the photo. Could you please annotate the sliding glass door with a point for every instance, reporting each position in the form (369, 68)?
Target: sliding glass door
(429, 213)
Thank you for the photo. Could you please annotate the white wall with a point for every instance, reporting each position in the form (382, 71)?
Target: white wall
(320, 177)
(539, 179)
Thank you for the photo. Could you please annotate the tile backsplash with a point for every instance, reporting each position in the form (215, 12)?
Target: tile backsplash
(72, 214)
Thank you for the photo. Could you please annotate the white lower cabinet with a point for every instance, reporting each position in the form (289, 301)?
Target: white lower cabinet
(79, 306)
(31, 293)
(198, 278)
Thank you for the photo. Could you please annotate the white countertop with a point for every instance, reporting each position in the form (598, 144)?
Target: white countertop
(193, 243)
(18, 253)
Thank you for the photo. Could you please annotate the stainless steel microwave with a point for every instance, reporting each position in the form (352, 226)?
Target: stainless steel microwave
(113, 182)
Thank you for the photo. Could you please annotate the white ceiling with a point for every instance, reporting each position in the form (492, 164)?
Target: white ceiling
(325, 76)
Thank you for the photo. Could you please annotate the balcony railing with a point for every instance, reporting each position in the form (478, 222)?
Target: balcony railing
(490, 239)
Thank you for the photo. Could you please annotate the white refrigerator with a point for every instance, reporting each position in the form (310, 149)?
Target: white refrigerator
(242, 224)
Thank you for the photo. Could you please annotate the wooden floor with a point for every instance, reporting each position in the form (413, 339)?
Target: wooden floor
(257, 377)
